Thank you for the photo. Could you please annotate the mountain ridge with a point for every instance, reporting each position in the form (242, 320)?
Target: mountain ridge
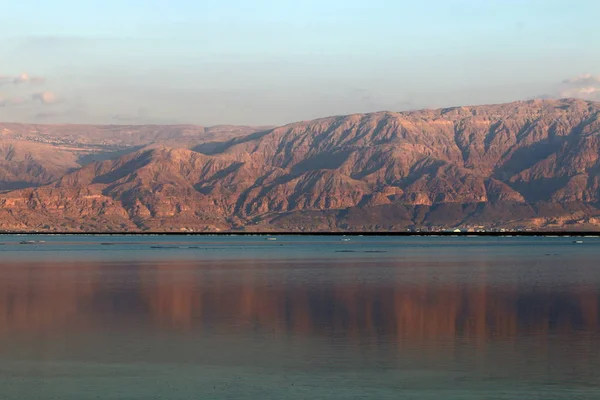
(525, 165)
(33, 155)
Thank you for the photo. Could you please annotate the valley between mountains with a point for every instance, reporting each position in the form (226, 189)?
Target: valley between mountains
(526, 165)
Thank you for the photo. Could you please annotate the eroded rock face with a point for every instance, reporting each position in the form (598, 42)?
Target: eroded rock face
(530, 163)
(35, 155)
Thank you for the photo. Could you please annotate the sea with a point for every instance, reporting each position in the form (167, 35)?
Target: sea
(299, 317)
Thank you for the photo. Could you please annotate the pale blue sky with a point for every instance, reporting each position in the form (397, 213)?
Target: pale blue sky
(273, 62)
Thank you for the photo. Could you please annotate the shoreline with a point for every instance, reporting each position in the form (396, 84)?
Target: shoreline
(263, 234)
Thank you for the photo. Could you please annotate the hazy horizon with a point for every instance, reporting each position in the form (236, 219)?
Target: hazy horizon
(450, 106)
(273, 63)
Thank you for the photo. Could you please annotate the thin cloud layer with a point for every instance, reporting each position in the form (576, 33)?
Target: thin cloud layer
(15, 91)
(12, 101)
(585, 79)
(22, 78)
(585, 87)
(26, 78)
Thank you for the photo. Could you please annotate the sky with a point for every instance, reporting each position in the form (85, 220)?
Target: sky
(271, 62)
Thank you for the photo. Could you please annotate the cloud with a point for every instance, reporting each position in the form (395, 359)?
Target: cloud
(586, 86)
(22, 78)
(46, 98)
(583, 80)
(26, 78)
(12, 101)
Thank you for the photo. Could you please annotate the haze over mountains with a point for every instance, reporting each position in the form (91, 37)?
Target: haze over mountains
(529, 165)
(33, 155)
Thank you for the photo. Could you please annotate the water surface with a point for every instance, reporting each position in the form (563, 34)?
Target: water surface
(86, 317)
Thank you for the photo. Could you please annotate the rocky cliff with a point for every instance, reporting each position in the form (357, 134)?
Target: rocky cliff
(526, 164)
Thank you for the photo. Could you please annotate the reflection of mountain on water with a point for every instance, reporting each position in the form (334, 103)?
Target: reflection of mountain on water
(35, 299)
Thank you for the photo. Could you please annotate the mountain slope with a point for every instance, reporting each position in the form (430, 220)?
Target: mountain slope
(34, 155)
(531, 164)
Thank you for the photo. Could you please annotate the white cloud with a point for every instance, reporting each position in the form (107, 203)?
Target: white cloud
(586, 86)
(46, 98)
(24, 77)
(583, 80)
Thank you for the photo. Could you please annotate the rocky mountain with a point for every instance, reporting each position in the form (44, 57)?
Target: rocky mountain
(528, 164)
(34, 155)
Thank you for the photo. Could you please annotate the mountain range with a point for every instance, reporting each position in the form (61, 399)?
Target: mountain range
(523, 165)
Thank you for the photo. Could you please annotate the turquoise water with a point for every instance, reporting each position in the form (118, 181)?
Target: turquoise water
(192, 317)
(112, 247)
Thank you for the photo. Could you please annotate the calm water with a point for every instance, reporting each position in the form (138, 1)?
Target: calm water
(299, 318)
